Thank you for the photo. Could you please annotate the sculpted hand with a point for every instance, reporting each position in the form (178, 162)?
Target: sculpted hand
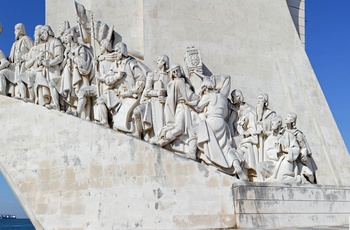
(46, 63)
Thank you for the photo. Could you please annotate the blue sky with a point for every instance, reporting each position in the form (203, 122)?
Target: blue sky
(327, 45)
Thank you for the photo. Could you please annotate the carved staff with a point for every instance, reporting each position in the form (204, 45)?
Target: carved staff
(94, 63)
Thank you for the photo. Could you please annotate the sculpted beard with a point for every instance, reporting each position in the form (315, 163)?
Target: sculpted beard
(260, 111)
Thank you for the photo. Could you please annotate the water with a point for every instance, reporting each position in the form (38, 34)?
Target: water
(16, 224)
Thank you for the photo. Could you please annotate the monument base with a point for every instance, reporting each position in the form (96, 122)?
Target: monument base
(266, 206)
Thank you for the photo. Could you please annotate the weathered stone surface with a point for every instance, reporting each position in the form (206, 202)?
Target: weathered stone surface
(261, 205)
(71, 173)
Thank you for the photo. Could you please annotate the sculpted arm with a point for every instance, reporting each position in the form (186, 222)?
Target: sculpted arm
(293, 149)
(204, 102)
(4, 63)
(57, 55)
(139, 84)
(271, 150)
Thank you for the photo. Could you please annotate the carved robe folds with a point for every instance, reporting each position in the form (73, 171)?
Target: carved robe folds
(281, 151)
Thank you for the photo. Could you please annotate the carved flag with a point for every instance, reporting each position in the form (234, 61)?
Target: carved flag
(82, 13)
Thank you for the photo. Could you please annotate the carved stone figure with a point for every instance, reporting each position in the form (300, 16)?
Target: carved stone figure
(282, 151)
(306, 164)
(4, 63)
(214, 138)
(179, 114)
(238, 108)
(124, 84)
(263, 122)
(248, 145)
(26, 80)
(80, 69)
(20, 47)
(102, 65)
(149, 115)
(52, 56)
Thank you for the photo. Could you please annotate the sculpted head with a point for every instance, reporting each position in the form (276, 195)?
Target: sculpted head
(237, 96)
(177, 71)
(63, 27)
(207, 86)
(263, 99)
(105, 45)
(163, 62)
(37, 34)
(291, 120)
(276, 122)
(46, 32)
(19, 30)
(70, 35)
(121, 50)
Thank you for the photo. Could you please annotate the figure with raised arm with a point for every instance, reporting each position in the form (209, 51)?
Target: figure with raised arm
(214, 137)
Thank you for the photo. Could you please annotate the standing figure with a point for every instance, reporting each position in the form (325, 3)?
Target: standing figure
(124, 84)
(102, 65)
(149, 115)
(52, 56)
(20, 47)
(248, 145)
(282, 151)
(79, 73)
(306, 164)
(27, 79)
(179, 114)
(263, 122)
(239, 108)
(214, 137)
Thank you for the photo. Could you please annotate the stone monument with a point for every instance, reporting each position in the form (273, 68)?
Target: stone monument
(206, 157)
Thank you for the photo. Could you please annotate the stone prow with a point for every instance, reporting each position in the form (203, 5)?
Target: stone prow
(70, 173)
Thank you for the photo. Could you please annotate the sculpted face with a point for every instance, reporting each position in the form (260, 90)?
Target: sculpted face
(236, 98)
(44, 35)
(37, 34)
(160, 62)
(119, 53)
(176, 72)
(17, 31)
(261, 100)
(289, 119)
(61, 29)
(276, 124)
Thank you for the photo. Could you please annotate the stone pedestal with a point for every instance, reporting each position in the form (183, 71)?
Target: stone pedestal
(263, 205)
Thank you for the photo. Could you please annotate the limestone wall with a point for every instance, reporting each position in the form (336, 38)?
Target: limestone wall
(69, 173)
